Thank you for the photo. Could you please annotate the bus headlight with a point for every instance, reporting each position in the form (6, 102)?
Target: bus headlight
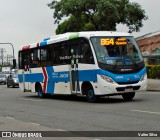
(144, 77)
(108, 79)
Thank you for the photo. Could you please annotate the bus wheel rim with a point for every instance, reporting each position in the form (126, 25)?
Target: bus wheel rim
(90, 94)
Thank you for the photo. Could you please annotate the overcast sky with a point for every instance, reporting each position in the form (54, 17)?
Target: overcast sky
(24, 22)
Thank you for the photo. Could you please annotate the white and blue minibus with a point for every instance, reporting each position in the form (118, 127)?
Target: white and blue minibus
(94, 64)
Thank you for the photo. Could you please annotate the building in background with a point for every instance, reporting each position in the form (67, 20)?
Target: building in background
(149, 45)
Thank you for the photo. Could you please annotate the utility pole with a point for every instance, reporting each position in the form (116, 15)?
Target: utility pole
(2, 50)
(9, 59)
(14, 60)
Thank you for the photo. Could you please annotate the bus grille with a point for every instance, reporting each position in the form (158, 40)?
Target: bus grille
(123, 88)
(125, 83)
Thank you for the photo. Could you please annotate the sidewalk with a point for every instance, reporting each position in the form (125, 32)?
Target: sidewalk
(153, 85)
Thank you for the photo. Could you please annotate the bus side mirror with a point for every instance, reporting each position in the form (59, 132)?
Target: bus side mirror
(14, 63)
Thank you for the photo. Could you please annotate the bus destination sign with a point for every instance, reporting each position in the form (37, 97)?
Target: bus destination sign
(113, 41)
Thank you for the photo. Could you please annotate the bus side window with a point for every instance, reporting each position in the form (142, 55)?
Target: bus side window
(61, 53)
(26, 60)
(82, 48)
(49, 55)
(34, 58)
(87, 53)
(56, 59)
(43, 54)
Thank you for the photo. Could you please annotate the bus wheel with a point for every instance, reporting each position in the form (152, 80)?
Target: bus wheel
(128, 96)
(40, 94)
(91, 97)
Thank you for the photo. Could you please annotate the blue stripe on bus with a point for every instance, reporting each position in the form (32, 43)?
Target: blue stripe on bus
(44, 43)
(45, 39)
(20, 78)
(88, 75)
(50, 84)
(32, 77)
(84, 75)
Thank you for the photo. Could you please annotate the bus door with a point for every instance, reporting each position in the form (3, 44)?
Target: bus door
(26, 72)
(74, 74)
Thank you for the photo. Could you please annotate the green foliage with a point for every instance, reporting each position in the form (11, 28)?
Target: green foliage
(85, 15)
(153, 71)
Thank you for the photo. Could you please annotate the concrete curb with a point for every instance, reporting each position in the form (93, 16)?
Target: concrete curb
(153, 85)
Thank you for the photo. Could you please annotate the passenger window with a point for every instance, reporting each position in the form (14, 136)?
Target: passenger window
(35, 58)
(87, 52)
(82, 50)
(61, 54)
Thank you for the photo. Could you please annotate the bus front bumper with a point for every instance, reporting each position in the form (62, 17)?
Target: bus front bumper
(106, 88)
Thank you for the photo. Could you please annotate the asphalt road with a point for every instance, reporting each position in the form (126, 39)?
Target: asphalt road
(76, 114)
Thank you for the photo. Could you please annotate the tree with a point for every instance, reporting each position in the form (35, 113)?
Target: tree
(85, 15)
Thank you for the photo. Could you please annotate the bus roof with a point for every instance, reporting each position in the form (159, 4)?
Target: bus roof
(72, 35)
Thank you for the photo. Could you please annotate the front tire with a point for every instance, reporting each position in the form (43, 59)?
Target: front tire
(128, 96)
(91, 97)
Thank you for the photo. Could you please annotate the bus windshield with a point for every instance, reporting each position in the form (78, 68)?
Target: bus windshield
(117, 50)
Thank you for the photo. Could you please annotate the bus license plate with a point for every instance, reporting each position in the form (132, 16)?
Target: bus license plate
(128, 90)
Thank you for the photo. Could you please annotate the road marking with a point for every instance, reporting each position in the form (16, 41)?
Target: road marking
(146, 112)
(12, 118)
(37, 124)
(30, 99)
(60, 130)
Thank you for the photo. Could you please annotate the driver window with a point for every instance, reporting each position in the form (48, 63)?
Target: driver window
(130, 49)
